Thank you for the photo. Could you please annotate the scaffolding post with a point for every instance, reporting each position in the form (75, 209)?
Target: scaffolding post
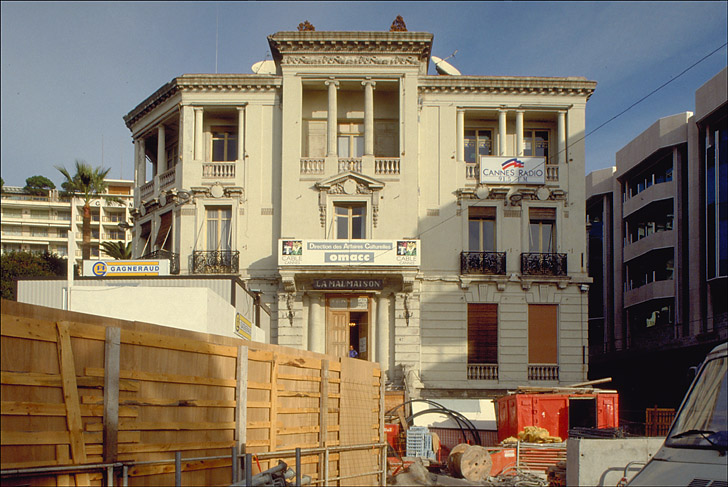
(178, 469)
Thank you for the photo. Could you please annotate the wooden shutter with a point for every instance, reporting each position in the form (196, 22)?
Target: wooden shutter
(164, 228)
(481, 212)
(543, 334)
(482, 333)
(542, 213)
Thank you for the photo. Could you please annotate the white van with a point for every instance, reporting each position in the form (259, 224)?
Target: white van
(694, 452)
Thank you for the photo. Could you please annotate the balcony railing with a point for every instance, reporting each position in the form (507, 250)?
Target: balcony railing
(552, 173)
(483, 263)
(166, 179)
(472, 170)
(219, 170)
(543, 372)
(311, 165)
(482, 371)
(537, 264)
(386, 166)
(147, 190)
(349, 164)
(215, 261)
(165, 254)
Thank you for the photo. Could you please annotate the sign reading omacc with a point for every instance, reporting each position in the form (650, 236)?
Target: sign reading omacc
(125, 268)
(512, 170)
(349, 252)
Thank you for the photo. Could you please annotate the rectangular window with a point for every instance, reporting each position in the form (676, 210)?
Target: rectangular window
(543, 334)
(350, 219)
(542, 230)
(39, 214)
(536, 143)
(224, 144)
(482, 333)
(477, 143)
(350, 141)
(481, 229)
(315, 138)
(218, 228)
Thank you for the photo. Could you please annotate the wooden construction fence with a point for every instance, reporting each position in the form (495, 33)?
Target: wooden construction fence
(82, 389)
(658, 421)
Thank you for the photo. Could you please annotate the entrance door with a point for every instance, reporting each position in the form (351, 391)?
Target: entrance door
(347, 325)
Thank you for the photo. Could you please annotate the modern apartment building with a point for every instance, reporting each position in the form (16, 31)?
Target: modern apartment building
(40, 223)
(658, 226)
(432, 223)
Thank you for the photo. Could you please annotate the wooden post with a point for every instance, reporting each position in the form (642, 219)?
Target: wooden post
(273, 405)
(112, 356)
(70, 397)
(323, 413)
(382, 437)
(241, 403)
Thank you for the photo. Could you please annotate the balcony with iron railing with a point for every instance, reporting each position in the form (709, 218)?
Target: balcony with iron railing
(482, 371)
(483, 263)
(543, 372)
(543, 264)
(165, 254)
(215, 261)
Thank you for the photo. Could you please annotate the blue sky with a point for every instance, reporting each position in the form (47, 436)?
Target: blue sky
(71, 70)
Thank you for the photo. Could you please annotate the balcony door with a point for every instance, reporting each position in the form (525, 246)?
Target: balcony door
(219, 221)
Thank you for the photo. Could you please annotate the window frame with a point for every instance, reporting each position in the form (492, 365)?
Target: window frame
(529, 137)
(351, 131)
(220, 220)
(477, 129)
(350, 205)
(231, 133)
(480, 215)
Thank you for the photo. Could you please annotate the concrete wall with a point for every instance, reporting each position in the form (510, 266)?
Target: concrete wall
(602, 461)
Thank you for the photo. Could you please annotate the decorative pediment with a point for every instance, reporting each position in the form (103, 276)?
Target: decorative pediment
(349, 183)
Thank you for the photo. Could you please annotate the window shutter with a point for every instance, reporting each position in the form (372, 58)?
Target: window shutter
(542, 213)
(482, 333)
(481, 212)
(164, 228)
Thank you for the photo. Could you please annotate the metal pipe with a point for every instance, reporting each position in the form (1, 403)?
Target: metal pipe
(248, 469)
(62, 468)
(125, 476)
(326, 466)
(178, 469)
(110, 476)
(298, 467)
(234, 464)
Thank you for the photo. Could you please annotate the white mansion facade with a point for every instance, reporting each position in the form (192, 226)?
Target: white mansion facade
(435, 224)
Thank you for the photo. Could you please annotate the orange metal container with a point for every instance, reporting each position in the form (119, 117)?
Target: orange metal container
(557, 413)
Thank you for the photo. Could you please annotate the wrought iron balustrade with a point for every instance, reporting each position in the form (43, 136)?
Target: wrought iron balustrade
(543, 264)
(482, 371)
(215, 261)
(543, 372)
(483, 263)
(165, 254)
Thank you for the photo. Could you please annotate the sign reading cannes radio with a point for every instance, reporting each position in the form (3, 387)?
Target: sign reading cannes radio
(512, 170)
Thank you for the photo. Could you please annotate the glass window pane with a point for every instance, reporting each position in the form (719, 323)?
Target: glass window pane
(343, 146)
(527, 147)
(357, 227)
(469, 149)
(342, 227)
(358, 146)
(218, 150)
(547, 232)
(474, 235)
(488, 235)
(534, 237)
(212, 235)
(232, 148)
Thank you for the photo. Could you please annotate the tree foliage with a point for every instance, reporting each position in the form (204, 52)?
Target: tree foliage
(398, 25)
(28, 264)
(306, 26)
(87, 183)
(38, 185)
(117, 250)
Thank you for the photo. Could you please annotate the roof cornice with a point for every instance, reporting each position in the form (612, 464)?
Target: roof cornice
(573, 86)
(202, 82)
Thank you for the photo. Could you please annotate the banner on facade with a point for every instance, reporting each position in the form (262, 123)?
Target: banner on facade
(512, 170)
(126, 268)
(348, 252)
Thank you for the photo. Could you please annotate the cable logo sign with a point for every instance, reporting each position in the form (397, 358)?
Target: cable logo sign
(512, 170)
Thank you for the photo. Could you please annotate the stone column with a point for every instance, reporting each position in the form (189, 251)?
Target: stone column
(561, 137)
(241, 134)
(501, 132)
(199, 153)
(519, 133)
(161, 150)
(140, 166)
(316, 325)
(368, 117)
(383, 326)
(332, 126)
(460, 127)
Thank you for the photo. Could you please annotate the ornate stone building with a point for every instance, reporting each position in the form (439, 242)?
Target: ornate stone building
(433, 223)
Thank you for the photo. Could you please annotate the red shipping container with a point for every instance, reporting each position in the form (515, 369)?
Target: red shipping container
(556, 413)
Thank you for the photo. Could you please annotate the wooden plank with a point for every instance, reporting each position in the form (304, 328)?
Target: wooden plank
(145, 470)
(34, 438)
(168, 378)
(323, 414)
(258, 404)
(256, 425)
(163, 447)
(165, 426)
(149, 401)
(300, 362)
(54, 380)
(254, 443)
(305, 378)
(11, 408)
(241, 398)
(298, 430)
(62, 458)
(97, 438)
(273, 417)
(70, 397)
(260, 355)
(298, 410)
(112, 356)
(298, 394)
(259, 385)
(173, 343)
(17, 327)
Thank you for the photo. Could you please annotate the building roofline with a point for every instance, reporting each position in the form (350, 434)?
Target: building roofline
(507, 84)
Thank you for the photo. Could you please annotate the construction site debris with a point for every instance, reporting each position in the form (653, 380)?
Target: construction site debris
(596, 433)
(556, 475)
(534, 434)
(470, 462)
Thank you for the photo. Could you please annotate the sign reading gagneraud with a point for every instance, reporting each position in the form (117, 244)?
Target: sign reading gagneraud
(125, 268)
(349, 252)
(512, 170)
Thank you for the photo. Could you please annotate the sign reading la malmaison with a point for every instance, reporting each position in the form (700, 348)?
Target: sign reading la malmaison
(512, 170)
(347, 284)
(349, 252)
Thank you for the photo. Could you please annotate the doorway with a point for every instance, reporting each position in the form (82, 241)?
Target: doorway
(347, 325)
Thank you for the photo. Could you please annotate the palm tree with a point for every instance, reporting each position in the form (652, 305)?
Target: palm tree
(117, 250)
(87, 184)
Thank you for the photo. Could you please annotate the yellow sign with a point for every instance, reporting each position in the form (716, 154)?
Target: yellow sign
(243, 327)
